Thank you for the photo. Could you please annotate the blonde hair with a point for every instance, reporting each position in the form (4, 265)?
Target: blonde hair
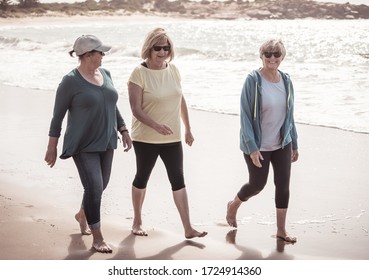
(155, 36)
(272, 45)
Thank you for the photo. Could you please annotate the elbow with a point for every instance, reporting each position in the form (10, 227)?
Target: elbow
(136, 113)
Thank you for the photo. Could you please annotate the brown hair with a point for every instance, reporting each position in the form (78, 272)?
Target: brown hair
(153, 37)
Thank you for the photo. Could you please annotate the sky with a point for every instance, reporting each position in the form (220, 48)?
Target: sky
(357, 2)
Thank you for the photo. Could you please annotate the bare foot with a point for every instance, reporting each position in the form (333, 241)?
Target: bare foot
(285, 237)
(137, 230)
(194, 233)
(82, 224)
(102, 247)
(231, 215)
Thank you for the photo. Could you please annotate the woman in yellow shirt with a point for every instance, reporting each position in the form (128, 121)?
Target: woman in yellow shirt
(157, 105)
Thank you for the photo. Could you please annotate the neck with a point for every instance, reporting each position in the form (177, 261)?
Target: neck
(87, 70)
(271, 75)
(155, 66)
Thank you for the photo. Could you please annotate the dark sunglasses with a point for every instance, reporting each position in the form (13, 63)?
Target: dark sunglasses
(94, 51)
(269, 54)
(98, 52)
(158, 48)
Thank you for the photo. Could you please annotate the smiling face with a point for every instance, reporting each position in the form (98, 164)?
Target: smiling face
(272, 59)
(272, 53)
(160, 51)
(157, 38)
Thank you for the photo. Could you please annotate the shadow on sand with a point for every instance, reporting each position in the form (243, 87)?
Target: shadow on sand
(248, 253)
(78, 250)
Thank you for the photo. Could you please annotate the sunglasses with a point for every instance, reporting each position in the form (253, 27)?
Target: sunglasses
(158, 48)
(94, 51)
(269, 54)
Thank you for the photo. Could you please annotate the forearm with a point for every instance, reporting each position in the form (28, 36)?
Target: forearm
(53, 142)
(184, 115)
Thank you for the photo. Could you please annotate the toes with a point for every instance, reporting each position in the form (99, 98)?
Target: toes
(196, 234)
(202, 234)
(102, 248)
(139, 232)
(287, 239)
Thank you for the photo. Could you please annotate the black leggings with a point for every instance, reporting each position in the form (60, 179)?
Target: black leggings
(281, 162)
(146, 156)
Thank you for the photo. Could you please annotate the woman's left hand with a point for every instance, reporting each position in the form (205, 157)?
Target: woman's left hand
(295, 155)
(127, 142)
(189, 138)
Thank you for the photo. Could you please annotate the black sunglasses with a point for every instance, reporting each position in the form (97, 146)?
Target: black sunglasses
(95, 51)
(158, 48)
(269, 54)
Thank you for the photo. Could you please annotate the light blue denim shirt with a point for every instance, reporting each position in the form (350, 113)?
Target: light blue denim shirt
(250, 133)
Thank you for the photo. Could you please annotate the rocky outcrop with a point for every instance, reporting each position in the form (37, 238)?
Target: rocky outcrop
(231, 9)
(277, 9)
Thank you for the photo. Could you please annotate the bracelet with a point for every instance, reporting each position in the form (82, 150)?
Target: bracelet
(123, 130)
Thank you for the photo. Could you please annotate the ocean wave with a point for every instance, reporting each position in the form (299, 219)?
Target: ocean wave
(214, 58)
(29, 45)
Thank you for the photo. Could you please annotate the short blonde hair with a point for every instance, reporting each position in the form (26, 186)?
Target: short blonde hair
(272, 45)
(153, 37)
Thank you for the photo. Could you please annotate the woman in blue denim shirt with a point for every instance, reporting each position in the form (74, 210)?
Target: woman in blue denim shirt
(268, 133)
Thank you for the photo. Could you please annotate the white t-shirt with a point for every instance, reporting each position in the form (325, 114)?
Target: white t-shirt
(162, 97)
(273, 114)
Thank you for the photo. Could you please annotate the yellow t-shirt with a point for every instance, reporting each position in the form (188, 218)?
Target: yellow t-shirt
(162, 97)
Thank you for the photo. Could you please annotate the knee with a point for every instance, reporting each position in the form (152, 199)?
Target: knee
(177, 188)
(139, 183)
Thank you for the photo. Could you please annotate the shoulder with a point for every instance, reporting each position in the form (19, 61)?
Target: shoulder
(253, 76)
(72, 74)
(285, 76)
(139, 69)
(105, 72)
(69, 78)
(173, 68)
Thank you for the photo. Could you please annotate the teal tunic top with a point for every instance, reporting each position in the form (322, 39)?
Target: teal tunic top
(93, 116)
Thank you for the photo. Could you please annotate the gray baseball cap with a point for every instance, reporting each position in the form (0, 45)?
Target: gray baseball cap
(87, 43)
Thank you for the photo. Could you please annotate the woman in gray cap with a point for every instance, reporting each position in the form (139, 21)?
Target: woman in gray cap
(88, 95)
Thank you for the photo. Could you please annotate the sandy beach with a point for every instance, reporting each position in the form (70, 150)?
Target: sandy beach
(328, 207)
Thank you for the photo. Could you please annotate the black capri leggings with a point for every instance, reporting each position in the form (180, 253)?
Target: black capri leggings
(281, 162)
(146, 156)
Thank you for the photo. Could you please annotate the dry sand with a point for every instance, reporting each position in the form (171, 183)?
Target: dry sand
(328, 207)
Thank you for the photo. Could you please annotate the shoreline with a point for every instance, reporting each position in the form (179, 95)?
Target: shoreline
(328, 209)
(215, 112)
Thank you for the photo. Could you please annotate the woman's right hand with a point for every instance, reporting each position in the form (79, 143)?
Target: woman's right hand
(256, 157)
(163, 129)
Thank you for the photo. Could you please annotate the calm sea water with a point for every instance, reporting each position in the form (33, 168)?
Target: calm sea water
(330, 76)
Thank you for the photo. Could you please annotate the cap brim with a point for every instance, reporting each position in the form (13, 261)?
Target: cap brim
(103, 48)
